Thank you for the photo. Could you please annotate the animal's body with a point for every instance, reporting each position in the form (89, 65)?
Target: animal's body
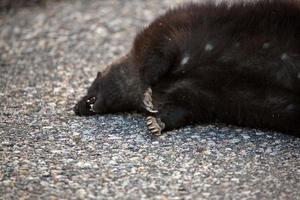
(206, 63)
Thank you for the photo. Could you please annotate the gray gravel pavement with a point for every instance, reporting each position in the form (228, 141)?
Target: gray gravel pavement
(48, 57)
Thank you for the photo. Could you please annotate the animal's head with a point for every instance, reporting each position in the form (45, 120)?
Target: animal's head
(93, 102)
(107, 94)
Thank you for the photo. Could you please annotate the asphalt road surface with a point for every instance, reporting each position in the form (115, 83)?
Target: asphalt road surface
(49, 55)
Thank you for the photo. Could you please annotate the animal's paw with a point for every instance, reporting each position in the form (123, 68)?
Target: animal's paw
(147, 101)
(155, 125)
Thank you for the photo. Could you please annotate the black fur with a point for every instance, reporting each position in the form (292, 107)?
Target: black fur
(237, 64)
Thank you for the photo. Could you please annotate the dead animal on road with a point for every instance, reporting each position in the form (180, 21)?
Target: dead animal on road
(204, 63)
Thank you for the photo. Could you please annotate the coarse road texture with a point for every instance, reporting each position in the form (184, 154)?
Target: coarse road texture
(49, 56)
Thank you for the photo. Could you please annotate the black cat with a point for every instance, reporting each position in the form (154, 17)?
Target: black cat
(202, 63)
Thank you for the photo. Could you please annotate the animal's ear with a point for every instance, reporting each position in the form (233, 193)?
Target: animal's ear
(99, 75)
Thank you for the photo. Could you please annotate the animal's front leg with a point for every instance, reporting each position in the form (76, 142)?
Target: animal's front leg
(155, 125)
(168, 118)
(148, 102)
(164, 116)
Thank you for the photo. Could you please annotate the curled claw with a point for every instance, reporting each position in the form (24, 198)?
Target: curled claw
(156, 132)
(149, 119)
(152, 127)
(149, 109)
(155, 126)
(149, 91)
(147, 101)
